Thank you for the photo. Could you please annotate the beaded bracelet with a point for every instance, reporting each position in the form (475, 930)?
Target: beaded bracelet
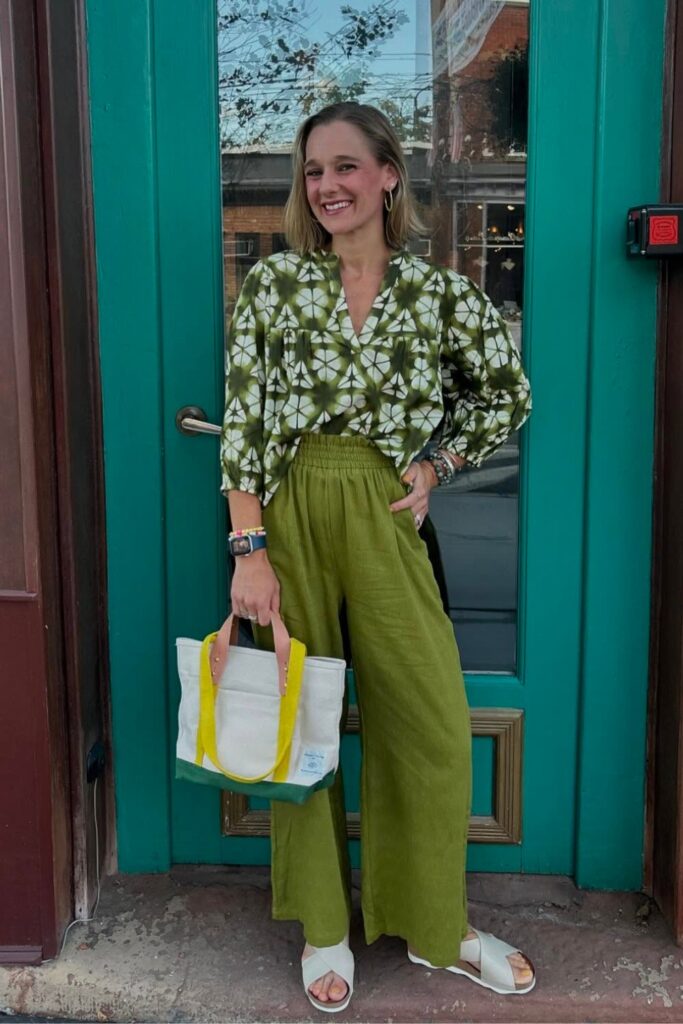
(444, 466)
(451, 458)
(258, 530)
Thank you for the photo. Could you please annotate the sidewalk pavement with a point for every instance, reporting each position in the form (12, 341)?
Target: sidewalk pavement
(198, 944)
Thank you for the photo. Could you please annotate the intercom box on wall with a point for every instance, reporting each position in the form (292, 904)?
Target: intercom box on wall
(655, 230)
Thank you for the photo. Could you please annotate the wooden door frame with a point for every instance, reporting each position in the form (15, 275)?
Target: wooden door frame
(53, 625)
(79, 469)
(664, 821)
(36, 866)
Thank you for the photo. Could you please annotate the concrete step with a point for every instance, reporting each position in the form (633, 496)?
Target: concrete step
(198, 944)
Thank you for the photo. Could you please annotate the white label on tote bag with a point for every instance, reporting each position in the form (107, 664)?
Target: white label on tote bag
(313, 762)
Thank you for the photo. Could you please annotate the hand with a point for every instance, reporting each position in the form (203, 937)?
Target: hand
(422, 478)
(255, 590)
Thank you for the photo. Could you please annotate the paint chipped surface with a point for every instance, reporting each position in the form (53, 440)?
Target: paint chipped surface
(653, 981)
(198, 944)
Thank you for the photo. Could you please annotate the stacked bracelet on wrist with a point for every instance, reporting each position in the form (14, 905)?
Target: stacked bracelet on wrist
(259, 530)
(444, 465)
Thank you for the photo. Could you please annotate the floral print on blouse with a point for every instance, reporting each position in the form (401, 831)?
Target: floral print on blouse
(434, 362)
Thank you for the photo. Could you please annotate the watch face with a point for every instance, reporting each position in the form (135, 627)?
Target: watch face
(240, 545)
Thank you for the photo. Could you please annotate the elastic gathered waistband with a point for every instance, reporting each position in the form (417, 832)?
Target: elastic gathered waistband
(329, 450)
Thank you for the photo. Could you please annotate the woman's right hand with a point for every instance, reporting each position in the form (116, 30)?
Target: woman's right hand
(255, 590)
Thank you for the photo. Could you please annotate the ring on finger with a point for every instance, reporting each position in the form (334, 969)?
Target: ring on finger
(418, 519)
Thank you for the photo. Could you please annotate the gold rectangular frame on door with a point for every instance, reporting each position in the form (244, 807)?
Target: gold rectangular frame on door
(504, 725)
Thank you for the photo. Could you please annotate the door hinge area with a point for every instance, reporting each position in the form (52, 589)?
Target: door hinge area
(95, 761)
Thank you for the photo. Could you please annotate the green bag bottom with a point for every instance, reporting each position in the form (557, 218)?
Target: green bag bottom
(286, 791)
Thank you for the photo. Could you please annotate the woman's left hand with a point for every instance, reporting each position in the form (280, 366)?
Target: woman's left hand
(421, 477)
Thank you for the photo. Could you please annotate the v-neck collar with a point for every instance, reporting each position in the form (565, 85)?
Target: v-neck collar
(391, 273)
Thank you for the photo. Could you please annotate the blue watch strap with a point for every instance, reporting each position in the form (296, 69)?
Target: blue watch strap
(244, 545)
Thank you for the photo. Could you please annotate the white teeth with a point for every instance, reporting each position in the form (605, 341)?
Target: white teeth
(337, 206)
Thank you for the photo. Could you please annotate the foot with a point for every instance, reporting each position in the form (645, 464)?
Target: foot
(521, 968)
(330, 988)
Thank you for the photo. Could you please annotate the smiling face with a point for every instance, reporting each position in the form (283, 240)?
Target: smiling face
(345, 184)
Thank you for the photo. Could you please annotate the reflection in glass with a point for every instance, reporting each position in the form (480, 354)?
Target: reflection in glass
(452, 76)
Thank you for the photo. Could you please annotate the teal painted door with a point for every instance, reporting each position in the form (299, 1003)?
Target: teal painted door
(558, 689)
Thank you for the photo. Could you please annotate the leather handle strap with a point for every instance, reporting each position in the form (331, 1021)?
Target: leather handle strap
(227, 638)
(207, 742)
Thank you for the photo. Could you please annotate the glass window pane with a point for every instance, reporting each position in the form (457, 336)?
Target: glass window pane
(451, 75)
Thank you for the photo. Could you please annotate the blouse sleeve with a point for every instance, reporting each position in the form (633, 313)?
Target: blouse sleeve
(486, 394)
(241, 443)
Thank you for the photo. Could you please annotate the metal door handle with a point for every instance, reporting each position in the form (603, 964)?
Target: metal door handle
(191, 419)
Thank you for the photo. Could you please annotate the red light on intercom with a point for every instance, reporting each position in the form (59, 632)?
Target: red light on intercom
(663, 230)
(655, 230)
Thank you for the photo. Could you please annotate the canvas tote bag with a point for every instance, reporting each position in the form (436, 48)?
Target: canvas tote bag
(255, 722)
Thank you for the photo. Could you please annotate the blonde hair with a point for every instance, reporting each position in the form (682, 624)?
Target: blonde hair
(304, 232)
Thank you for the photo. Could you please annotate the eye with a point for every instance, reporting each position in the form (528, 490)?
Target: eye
(347, 167)
(312, 173)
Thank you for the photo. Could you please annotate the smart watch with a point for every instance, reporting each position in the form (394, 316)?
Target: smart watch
(245, 544)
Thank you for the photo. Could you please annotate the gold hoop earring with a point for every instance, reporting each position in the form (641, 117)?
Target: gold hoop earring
(388, 195)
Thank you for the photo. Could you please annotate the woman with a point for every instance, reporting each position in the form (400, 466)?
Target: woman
(349, 357)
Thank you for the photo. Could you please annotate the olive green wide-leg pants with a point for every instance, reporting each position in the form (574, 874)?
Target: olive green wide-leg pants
(332, 540)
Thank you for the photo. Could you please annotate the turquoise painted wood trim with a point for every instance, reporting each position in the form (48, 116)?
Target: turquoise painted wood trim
(124, 178)
(192, 355)
(497, 691)
(619, 454)
(557, 276)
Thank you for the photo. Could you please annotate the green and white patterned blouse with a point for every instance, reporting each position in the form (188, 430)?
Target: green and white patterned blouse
(433, 362)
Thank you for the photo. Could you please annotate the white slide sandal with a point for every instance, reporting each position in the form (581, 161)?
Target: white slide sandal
(337, 958)
(495, 970)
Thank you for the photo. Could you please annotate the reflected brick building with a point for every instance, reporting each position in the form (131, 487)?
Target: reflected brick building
(470, 182)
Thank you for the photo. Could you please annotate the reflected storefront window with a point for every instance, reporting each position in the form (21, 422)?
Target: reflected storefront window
(451, 75)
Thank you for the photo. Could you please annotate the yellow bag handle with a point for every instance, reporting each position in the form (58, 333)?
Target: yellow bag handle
(289, 705)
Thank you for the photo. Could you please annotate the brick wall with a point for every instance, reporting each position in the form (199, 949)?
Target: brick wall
(264, 221)
(510, 31)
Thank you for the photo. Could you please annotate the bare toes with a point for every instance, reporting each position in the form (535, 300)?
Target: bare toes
(337, 990)
(521, 967)
(317, 988)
